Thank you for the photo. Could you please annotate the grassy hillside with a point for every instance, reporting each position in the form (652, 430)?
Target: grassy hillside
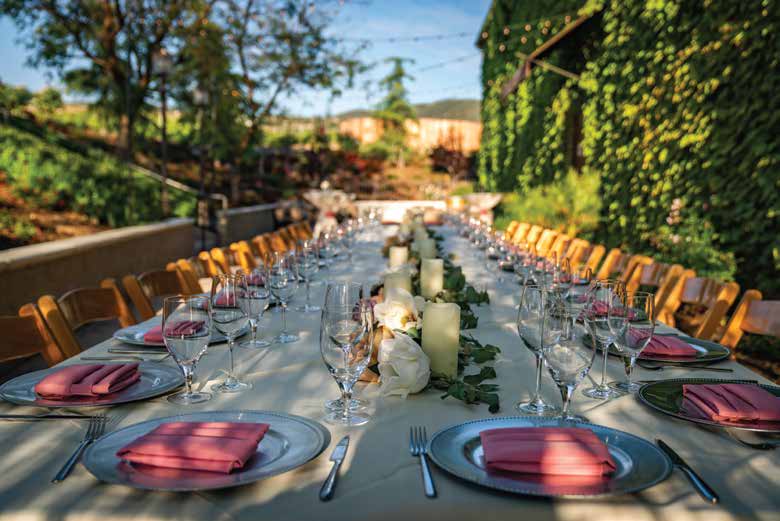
(467, 109)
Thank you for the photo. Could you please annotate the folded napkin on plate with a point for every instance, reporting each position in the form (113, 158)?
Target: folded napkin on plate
(731, 402)
(601, 308)
(185, 327)
(667, 345)
(209, 446)
(255, 280)
(91, 380)
(225, 301)
(546, 450)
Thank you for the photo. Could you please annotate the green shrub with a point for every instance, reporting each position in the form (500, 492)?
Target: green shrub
(94, 183)
(378, 151)
(21, 228)
(570, 205)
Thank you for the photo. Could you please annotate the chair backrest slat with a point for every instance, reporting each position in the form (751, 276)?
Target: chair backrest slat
(28, 335)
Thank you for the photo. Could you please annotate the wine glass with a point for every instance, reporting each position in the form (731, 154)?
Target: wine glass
(229, 317)
(283, 281)
(256, 303)
(632, 322)
(535, 303)
(308, 265)
(602, 295)
(346, 342)
(562, 278)
(186, 326)
(568, 359)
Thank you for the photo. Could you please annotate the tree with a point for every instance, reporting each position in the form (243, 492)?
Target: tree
(394, 109)
(48, 101)
(115, 39)
(13, 98)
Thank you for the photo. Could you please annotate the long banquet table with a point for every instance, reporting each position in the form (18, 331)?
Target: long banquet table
(380, 480)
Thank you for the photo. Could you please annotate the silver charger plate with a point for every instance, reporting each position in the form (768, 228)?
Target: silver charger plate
(640, 464)
(706, 352)
(666, 396)
(156, 379)
(290, 442)
(135, 334)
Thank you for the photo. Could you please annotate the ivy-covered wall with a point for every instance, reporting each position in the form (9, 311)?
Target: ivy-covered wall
(680, 117)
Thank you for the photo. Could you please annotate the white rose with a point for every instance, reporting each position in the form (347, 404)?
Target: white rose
(399, 310)
(403, 367)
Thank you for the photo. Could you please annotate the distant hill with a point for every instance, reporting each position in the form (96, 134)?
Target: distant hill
(467, 109)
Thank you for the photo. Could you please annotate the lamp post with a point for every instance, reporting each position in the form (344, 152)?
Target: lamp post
(200, 98)
(161, 66)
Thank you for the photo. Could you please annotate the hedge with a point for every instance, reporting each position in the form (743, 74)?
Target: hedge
(678, 103)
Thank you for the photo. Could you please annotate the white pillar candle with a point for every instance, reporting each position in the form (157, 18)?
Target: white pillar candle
(420, 233)
(441, 337)
(398, 256)
(431, 277)
(398, 279)
(427, 249)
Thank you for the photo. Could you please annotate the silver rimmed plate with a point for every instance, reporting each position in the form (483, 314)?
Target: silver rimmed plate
(290, 442)
(706, 352)
(640, 464)
(156, 379)
(135, 334)
(666, 396)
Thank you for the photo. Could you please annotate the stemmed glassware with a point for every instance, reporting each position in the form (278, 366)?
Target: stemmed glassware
(308, 265)
(283, 282)
(229, 315)
(256, 303)
(535, 304)
(186, 332)
(632, 321)
(602, 296)
(346, 343)
(567, 358)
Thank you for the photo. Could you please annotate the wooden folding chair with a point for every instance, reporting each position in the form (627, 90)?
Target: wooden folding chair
(79, 307)
(277, 243)
(701, 305)
(534, 234)
(594, 257)
(521, 233)
(27, 335)
(262, 246)
(244, 256)
(545, 242)
(613, 264)
(222, 258)
(207, 264)
(577, 252)
(560, 247)
(153, 285)
(188, 276)
(633, 263)
(510, 230)
(289, 240)
(753, 315)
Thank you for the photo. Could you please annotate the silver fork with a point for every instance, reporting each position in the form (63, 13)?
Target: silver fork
(97, 425)
(418, 446)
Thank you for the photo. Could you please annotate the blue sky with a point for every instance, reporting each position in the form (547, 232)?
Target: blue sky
(358, 19)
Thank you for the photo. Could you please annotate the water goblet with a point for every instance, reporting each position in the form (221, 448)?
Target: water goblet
(535, 303)
(346, 343)
(567, 358)
(602, 295)
(632, 322)
(307, 259)
(256, 303)
(229, 316)
(186, 326)
(283, 282)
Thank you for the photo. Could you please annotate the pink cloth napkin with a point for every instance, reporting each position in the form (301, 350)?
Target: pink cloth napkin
(90, 380)
(731, 402)
(208, 446)
(547, 450)
(255, 280)
(185, 327)
(666, 345)
(223, 300)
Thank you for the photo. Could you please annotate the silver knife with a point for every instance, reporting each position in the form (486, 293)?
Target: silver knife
(326, 492)
(704, 490)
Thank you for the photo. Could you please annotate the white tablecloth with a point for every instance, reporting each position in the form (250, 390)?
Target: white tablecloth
(379, 479)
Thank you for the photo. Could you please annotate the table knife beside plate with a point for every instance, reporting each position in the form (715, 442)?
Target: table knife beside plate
(337, 457)
(704, 490)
